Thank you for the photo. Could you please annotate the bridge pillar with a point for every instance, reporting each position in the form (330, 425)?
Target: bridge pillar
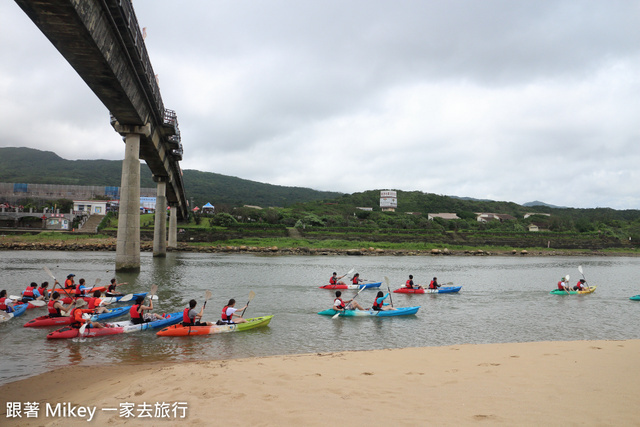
(128, 240)
(173, 227)
(160, 225)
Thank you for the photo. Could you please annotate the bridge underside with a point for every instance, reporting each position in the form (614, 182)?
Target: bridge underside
(102, 42)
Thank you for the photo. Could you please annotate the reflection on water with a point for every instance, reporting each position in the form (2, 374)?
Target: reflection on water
(503, 299)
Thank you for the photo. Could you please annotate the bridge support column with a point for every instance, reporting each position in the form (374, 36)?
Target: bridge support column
(173, 227)
(160, 225)
(128, 240)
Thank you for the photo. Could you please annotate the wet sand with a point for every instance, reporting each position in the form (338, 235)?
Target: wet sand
(547, 383)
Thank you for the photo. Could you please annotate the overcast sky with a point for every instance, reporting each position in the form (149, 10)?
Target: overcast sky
(502, 100)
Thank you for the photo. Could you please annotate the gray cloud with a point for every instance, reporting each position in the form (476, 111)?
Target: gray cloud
(494, 99)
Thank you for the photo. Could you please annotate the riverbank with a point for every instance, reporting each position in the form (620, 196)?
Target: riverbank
(543, 383)
(79, 242)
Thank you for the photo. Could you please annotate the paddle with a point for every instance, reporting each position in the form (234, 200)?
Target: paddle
(335, 316)
(565, 288)
(251, 295)
(35, 302)
(127, 297)
(386, 279)
(46, 269)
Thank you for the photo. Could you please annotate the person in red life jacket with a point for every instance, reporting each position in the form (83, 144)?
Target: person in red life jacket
(96, 304)
(340, 305)
(42, 290)
(55, 307)
(6, 304)
(229, 313)
(69, 284)
(335, 280)
(111, 289)
(78, 316)
(563, 284)
(137, 312)
(379, 304)
(356, 279)
(580, 286)
(434, 284)
(31, 293)
(79, 292)
(410, 285)
(190, 317)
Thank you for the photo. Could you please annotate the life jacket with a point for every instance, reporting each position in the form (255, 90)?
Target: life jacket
(333, 281)
(68, 284)
(133, 312)
(52, 309)
(354, 280)
(560, 285)
(29, 292)
(341, 306)
(185, 316)
(43, 291)
(409, 283)
(3, 304)
(112, 287)
(77, 317)
(78, 291)
(224, 315)
(376, 305)
(432, 285)
(94, 302)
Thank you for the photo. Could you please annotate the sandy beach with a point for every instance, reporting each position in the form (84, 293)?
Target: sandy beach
(547, 383)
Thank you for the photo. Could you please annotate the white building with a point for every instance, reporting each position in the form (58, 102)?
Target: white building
(388, 200)
(91, 207)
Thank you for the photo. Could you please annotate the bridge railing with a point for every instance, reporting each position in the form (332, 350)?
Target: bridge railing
(129, 17)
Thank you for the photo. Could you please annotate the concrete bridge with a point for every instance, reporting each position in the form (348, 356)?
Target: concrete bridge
(102, 41)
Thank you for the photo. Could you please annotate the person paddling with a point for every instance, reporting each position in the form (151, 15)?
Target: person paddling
(335, 280)
(356, 279)
(31, 293)
(190, 317)
(96, 304)
(340, 305)
(580, 286)
(137, 312)
(229, 313)
(563, 284)
(111, 289)
(79, 320)
(410, 285)
(434, 284)
(6, 304)
(42, 290)
(55, 307)
(69, 283)
(379, 304)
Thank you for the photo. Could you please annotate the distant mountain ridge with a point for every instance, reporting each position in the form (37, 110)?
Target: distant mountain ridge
(30, 166)
(539, 203)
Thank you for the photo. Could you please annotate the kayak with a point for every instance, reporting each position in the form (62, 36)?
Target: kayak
(183, 331)
(399, 311)
(442, 290)
(589, 290)
(362, 286)
(115, 328)
(18, 310)
(66, 320)
(635, 298)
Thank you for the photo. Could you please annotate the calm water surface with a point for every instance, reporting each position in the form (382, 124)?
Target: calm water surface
(503, 299)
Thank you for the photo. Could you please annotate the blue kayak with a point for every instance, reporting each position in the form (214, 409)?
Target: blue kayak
(635, 298)
(399, 311)
(19, 310)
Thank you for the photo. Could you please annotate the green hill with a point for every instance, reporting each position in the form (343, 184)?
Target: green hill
(26, 165)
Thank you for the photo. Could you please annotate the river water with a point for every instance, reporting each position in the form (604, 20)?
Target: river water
(503, 299)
